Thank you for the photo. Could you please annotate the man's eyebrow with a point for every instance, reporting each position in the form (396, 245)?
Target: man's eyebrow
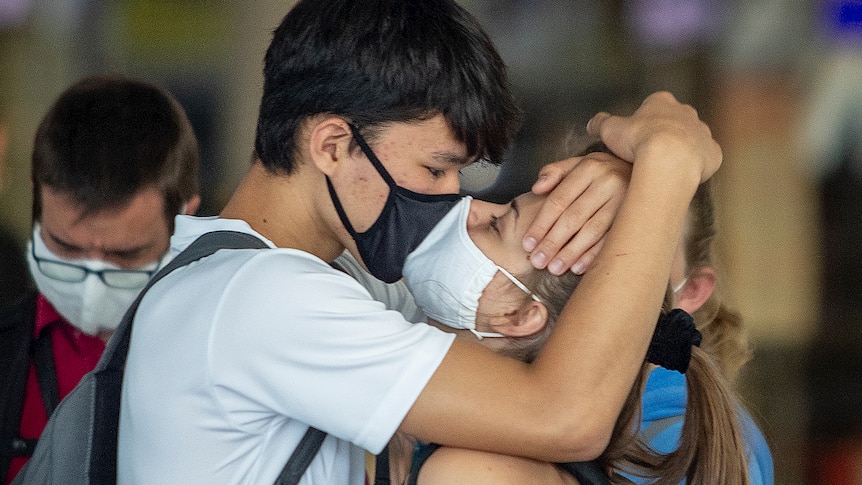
(64, 244)
(452, 158)
(129, 253)
(125, 253)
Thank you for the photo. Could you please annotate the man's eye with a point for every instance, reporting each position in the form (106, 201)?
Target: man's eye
(493, 224)
(436, 172)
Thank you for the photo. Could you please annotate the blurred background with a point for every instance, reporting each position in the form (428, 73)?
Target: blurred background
(779, 81)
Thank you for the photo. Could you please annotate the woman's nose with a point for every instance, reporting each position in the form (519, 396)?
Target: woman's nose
(480, 212)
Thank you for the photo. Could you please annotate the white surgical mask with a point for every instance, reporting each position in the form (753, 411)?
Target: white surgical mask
(88, 304)
(447, 273)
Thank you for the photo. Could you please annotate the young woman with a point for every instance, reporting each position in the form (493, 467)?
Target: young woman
(472, 277)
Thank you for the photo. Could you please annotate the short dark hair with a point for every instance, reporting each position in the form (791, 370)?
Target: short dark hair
(380, 61)
(108, 137)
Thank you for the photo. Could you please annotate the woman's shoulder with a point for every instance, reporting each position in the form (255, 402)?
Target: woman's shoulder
(454, 466)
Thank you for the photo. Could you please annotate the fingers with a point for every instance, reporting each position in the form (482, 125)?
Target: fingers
(585, 262)
(566, 189)
(662, 130)
(608, 128)
(551, 174)
(578, 213)
(574, 240)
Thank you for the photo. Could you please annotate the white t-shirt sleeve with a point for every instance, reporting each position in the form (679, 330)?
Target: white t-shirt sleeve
(303, 340)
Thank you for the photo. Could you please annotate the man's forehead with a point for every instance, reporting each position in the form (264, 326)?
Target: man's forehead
(133, 224)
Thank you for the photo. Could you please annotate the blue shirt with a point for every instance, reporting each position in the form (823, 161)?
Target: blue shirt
(665, 397)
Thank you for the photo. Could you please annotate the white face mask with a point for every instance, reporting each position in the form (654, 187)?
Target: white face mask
(89, 304)
(447, 273)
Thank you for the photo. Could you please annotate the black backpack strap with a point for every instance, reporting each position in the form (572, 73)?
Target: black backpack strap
(419, 458)
(382, 473)
(16, 333)
(301, 457)
(46, 371)
(587, 472)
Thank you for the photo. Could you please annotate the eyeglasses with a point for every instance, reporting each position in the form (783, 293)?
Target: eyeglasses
(126, 279)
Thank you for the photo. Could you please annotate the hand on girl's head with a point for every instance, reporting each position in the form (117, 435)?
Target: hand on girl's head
(583, 197)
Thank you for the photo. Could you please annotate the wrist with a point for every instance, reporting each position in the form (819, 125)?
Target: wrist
(678, 157)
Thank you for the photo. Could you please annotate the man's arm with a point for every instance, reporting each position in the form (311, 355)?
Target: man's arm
(563, 406)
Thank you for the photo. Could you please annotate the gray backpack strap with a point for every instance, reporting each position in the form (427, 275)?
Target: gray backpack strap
(79, 444)
(207, 244)
(656, 427)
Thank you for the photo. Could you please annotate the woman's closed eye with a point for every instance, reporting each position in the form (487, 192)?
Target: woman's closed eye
(493, 224)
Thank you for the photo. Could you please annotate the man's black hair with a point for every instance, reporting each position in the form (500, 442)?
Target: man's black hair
(379, 61)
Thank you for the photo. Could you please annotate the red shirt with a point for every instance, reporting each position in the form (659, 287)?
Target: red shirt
(75, 354)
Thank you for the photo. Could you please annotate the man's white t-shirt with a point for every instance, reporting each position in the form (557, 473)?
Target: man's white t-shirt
(234, 356)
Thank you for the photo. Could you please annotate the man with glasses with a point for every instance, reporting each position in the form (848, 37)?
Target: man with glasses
(114, 161)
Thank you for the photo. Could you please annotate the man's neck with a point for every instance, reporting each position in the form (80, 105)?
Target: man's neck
(282, 209)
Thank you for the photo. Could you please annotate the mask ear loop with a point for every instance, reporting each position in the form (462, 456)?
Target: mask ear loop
(480, 335)
(372, 157)
(680, 285)
(518, 283)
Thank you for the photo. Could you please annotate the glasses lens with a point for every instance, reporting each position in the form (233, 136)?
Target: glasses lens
(62, 272)
(126, 279)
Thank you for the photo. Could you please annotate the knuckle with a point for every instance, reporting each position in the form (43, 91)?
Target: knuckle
(557, 201)
(592, 231)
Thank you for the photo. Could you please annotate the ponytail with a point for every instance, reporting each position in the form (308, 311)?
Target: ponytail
(711, 446)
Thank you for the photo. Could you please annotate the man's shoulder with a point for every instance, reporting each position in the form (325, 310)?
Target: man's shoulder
(189, 228)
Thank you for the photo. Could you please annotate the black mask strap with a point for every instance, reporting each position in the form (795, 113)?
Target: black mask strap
(363, 145)
(339, 208)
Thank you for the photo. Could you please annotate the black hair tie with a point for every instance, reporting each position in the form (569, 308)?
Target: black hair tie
(672, 340)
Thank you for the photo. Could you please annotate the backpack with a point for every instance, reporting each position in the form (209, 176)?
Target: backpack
(16, 341)
(79, 443)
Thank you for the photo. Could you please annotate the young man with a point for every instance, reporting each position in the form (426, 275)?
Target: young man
(232, 358)
(114, 161)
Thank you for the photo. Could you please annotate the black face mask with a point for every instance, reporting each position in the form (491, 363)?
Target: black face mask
(406, 220)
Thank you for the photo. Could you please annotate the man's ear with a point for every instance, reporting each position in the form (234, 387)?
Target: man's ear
(530, 318)
(329, 139)
(698, 289)
(190, 207)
